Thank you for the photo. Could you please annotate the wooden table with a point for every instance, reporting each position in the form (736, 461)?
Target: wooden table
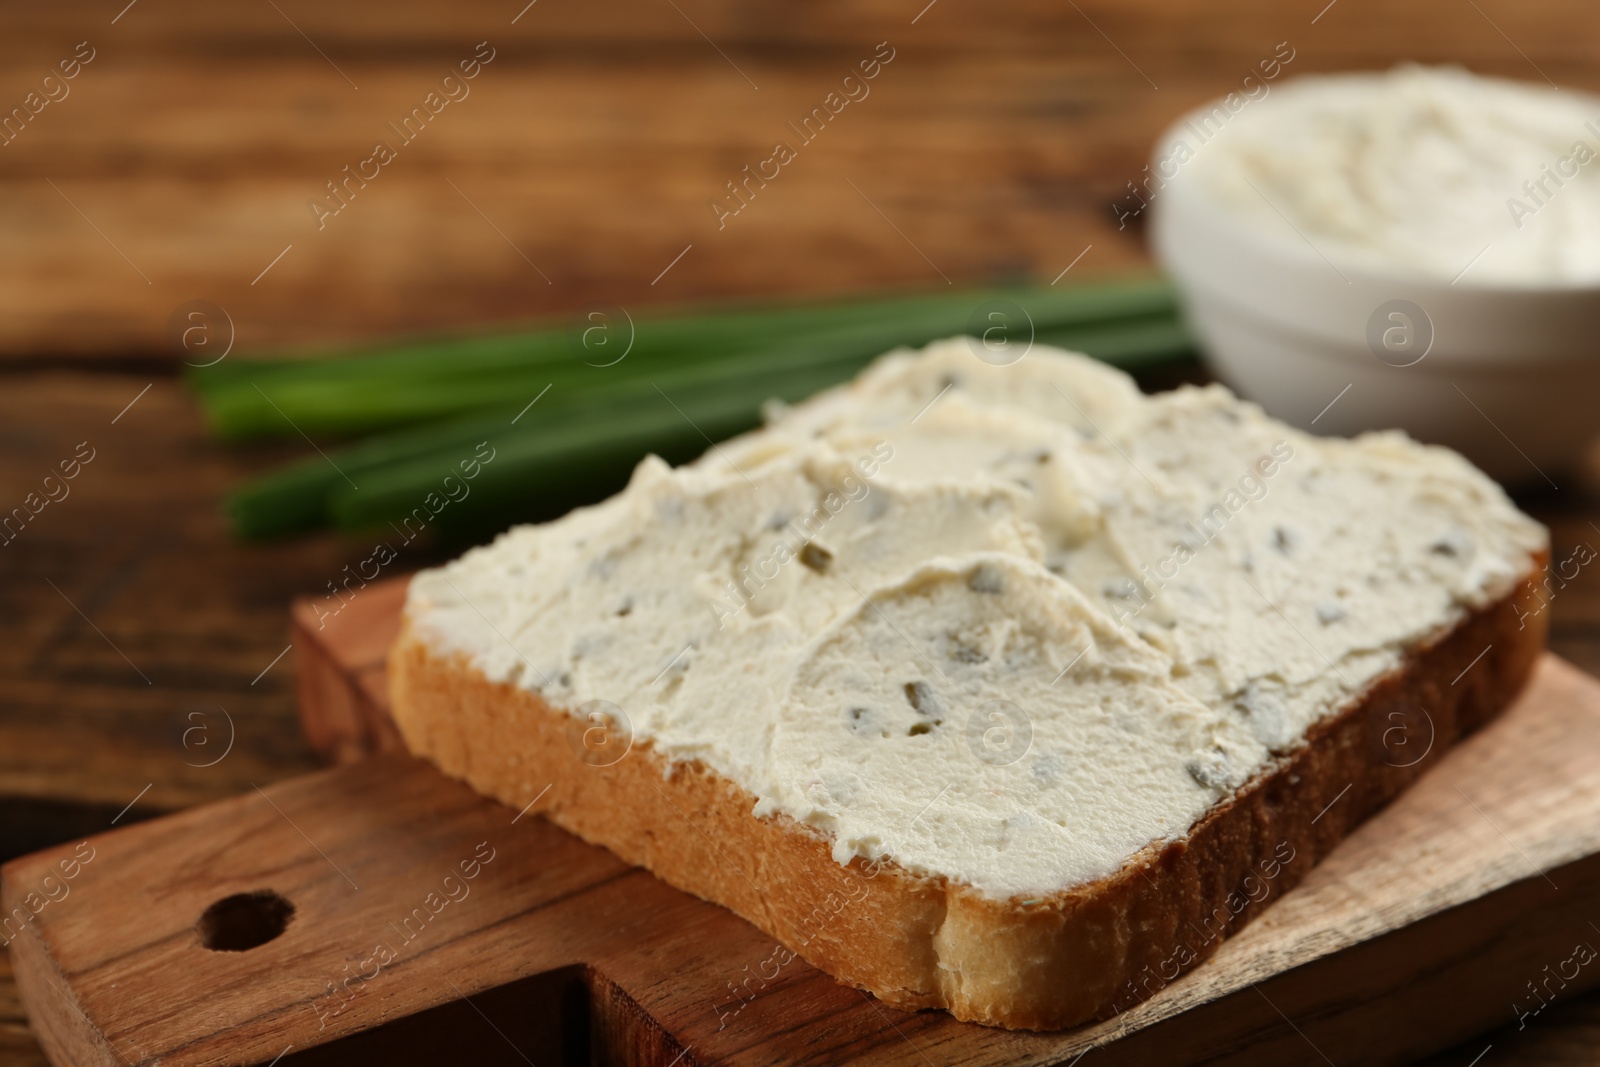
(584, 159)
(137, 637)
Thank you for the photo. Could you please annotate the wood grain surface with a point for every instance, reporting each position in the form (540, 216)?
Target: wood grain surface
(181, 165)
(185, 155)
(402, 891)
(342, 684)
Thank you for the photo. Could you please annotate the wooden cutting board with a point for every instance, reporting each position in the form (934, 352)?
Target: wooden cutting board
(393, 915)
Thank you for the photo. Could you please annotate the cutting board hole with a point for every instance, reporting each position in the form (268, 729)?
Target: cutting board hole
(244, 921)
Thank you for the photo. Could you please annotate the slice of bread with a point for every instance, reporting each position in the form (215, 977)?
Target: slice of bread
(1004, 690)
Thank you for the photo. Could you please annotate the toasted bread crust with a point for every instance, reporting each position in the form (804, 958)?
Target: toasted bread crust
(923, 942)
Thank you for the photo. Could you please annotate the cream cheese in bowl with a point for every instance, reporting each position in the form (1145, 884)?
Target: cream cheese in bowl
(1421, 244)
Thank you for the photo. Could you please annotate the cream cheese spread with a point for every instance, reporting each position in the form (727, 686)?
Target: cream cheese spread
(1006, 625)
(1435, 170)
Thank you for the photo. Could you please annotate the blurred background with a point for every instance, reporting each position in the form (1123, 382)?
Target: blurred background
(579, 170)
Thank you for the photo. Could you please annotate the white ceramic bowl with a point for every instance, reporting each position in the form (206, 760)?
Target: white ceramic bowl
(1507, 376)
